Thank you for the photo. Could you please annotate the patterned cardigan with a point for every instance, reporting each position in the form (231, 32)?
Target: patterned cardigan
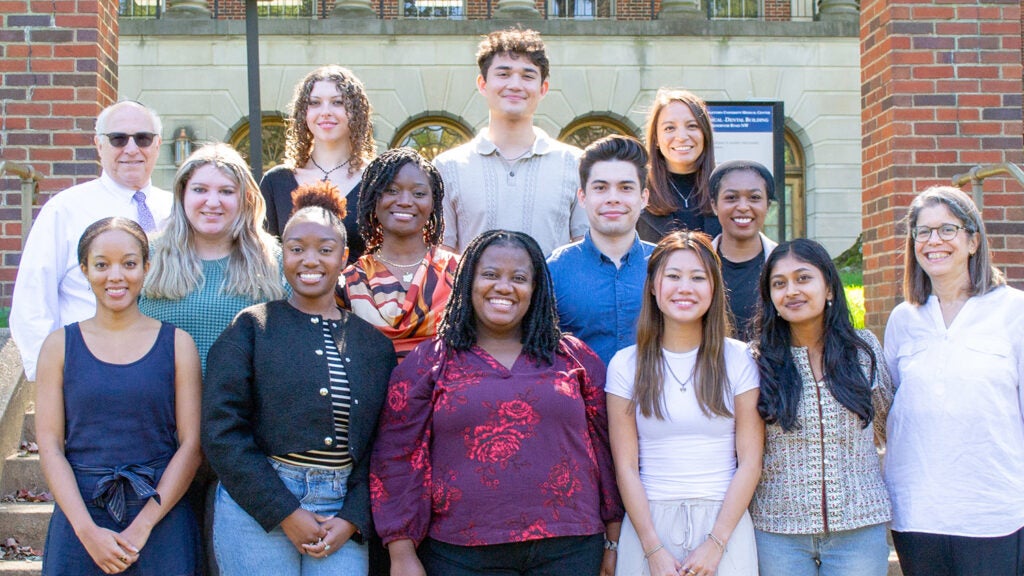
(825, 476)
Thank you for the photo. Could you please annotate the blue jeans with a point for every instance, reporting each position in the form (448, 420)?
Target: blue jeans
(558, 556)
(860, 552)
(243, 548)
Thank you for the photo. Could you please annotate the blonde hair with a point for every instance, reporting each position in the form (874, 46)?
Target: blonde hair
(252, 269)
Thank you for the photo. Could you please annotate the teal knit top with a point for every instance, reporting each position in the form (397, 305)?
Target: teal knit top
(205, 312)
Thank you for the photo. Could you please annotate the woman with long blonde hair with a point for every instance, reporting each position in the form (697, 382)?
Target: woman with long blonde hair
(685, 433)
(213, 258)
(329, 138)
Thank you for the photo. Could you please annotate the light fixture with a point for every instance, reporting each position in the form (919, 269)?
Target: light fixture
(182, 147)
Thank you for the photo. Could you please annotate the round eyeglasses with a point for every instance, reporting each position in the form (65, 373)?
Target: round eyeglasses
(946, 232)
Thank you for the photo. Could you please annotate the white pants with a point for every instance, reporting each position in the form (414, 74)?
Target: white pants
(682, 526)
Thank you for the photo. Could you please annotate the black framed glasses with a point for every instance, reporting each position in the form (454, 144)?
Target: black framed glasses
(946, 232)
(120, 139)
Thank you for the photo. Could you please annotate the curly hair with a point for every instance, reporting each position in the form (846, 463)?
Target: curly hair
(513, 42)
(376, 179)
(662, 200)
(540, 333)
(320, 199)
(298, 138)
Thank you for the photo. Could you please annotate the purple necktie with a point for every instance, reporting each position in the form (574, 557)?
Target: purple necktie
(145, 216)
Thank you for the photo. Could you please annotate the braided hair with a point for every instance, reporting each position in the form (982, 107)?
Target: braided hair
(540, 333)
(376, 179)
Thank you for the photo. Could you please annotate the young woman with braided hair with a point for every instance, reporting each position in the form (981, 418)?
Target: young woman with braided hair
(402, 283)
(493, 447)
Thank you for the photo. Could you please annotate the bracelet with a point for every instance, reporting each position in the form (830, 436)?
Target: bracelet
(713, 538)
(647, 555)
(611, 546)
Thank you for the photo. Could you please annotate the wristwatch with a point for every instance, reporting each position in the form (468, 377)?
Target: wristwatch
(609, 545)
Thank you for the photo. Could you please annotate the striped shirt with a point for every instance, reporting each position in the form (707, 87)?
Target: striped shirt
(341, 404)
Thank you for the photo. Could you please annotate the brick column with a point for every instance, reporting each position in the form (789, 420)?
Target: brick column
(941, 93)
(57, 71)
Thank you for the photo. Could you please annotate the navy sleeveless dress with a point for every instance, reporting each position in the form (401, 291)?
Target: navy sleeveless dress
(119, 435)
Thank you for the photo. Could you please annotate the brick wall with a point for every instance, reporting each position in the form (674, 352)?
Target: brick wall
(941, 93)
(58, 69)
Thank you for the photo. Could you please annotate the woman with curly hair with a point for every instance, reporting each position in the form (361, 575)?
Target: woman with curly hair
(329, 138)
(493, 453)
(681, 148)
(402, 283)
(290, 407)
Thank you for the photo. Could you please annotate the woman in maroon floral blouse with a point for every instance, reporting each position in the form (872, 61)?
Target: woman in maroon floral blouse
(493, 452)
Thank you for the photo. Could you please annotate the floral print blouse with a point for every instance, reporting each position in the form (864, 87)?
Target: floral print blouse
(472, 453)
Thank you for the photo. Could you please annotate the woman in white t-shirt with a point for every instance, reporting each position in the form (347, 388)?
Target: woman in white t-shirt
(685, 433)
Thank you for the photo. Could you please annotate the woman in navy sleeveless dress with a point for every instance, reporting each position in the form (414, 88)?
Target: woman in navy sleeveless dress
(118, 424)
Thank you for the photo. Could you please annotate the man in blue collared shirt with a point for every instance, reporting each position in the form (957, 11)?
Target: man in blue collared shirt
(599, 280)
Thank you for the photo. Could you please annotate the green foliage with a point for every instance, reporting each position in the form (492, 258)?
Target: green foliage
(5, 312)
(851, 272)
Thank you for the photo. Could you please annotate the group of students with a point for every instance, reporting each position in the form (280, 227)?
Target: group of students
(455, 408)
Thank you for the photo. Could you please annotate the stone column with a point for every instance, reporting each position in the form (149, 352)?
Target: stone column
(516, 9)
(353, 9)
(839, 9)
(187, 9)
(673, 9)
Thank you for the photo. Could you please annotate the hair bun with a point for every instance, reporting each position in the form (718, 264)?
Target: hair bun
(320, 194)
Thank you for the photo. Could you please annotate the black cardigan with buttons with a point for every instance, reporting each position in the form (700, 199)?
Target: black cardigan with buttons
(262, 396)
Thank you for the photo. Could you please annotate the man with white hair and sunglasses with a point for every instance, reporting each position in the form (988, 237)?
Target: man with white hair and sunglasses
(50, 290)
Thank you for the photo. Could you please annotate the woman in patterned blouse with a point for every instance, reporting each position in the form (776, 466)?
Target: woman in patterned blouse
(403, 282)
(821, 506)
(493, 453)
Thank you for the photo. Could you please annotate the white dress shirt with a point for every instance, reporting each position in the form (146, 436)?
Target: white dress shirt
(51, 291)
(954, 459)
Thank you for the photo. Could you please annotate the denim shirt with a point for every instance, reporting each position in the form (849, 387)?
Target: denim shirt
(597, 301)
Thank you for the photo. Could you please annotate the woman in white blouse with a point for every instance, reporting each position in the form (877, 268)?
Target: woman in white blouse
(821, 506)
(955, 348)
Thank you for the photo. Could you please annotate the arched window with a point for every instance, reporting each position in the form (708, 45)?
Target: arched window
(432, 134)
(273, 134)
(589, 127)
(796, 216)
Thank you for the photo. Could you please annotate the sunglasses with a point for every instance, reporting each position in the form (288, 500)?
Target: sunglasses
(120, 139)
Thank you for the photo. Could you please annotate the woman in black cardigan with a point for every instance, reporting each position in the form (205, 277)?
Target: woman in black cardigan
(290, 405)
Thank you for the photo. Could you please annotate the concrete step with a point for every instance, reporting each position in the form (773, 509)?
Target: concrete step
(28, 428)
(22, 472)
(21, 567)
(26, 522)
(894, 564)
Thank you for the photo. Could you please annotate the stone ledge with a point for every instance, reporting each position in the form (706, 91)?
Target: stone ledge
(376, 27)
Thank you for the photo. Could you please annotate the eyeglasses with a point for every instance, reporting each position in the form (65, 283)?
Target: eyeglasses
(120, 139)
(946, 232)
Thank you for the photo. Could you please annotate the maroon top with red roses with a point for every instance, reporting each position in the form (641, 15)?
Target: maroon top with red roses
(472, 453)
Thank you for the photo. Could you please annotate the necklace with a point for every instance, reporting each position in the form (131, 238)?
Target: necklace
(327, 173)
(685, 199)
(406, 276)
(682, 385)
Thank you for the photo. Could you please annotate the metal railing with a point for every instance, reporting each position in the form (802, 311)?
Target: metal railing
(977, 175)
(29, 186)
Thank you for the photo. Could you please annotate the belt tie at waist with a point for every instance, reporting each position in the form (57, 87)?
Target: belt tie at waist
(109, 491)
